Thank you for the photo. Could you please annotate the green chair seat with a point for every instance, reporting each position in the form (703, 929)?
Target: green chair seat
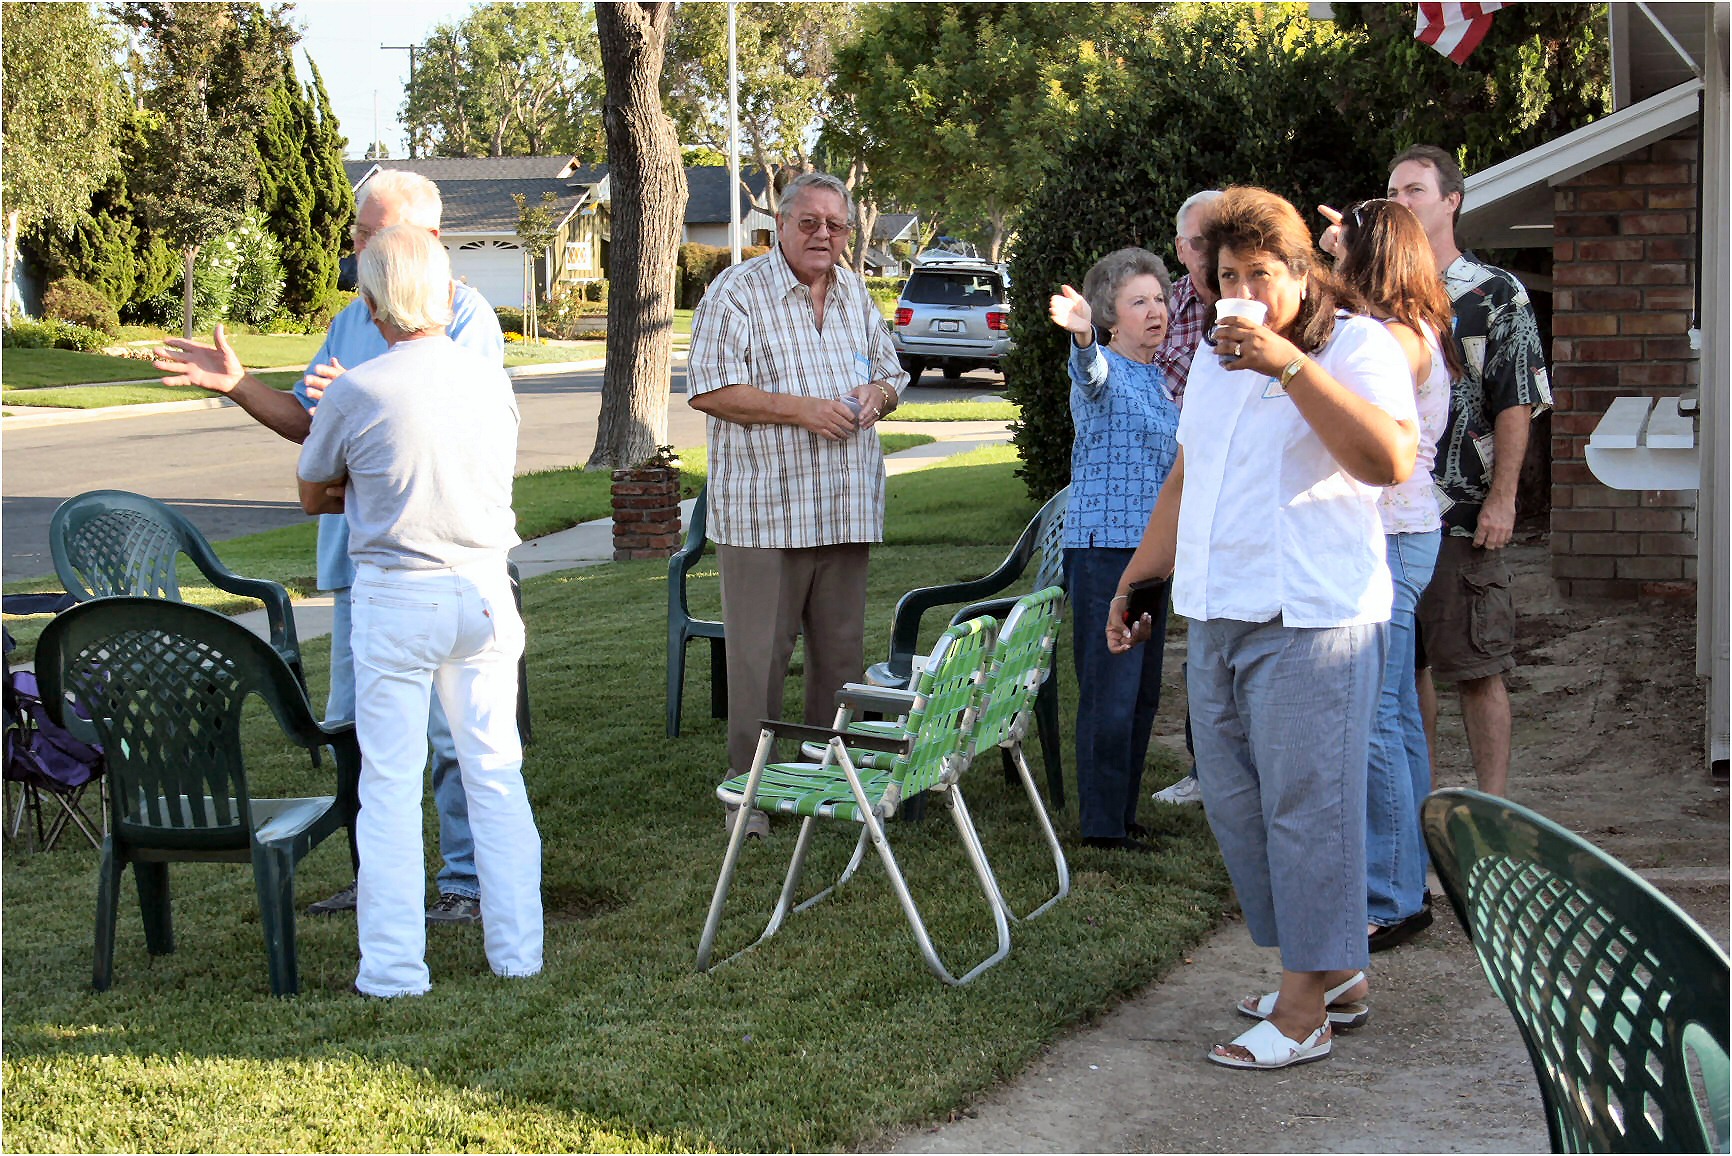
(810, 789)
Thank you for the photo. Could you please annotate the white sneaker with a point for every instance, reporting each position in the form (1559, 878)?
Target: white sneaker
(1186, 790)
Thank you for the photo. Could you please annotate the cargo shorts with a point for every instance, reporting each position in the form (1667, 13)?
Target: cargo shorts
(1467, 614)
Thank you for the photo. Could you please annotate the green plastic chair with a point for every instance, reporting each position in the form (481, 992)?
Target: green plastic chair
(1022, 661)
(165, 684)
(931, 757)
(682, 627)
(109, 542)
(1621, 998)
(1042, 546)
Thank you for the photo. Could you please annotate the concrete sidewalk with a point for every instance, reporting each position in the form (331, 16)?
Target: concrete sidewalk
(591, 543)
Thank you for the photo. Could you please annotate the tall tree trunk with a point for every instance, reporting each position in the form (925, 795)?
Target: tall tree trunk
(187, 293)
(648, 186)
(10, 258)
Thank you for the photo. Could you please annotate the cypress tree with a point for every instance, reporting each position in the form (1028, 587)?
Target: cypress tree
(286, 193)
(333, 197)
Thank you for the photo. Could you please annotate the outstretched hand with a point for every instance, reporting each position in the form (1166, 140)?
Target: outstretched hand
(1070, 311)
(214, 367)
(1330, 241)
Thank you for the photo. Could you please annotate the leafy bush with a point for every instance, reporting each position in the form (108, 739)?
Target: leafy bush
(510, 320)
(335, 302)
(52, 333)
(1123, 176)
(258, 275)
(70, 299)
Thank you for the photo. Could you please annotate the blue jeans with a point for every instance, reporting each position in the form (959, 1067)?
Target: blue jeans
(1399, 763)
(456, 844)
(1117, 695)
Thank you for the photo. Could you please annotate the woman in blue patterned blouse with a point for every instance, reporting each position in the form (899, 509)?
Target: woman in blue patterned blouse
(1125, 419)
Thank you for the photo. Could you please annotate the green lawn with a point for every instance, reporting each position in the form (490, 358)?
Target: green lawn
(957, 411)
(103, 396)
(544, 502)
(22, 369)
(826, 1038)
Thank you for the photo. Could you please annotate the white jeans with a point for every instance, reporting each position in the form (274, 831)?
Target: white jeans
(456, 630)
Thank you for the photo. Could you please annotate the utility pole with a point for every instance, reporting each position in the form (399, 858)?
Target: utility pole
(733, 140)
(411, 49)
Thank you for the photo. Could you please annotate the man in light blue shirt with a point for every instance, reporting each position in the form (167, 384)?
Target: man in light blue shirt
(391, 197)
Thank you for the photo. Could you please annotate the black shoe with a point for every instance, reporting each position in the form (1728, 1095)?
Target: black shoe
(1397, 934)
(1136, 831)
(1106, 843)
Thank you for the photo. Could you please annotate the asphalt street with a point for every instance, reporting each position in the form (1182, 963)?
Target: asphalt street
(231, 476)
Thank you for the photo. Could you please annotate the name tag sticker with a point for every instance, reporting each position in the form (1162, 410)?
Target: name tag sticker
(862, 369)
(1273, 388)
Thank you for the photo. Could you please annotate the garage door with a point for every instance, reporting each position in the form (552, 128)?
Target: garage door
(495, 268)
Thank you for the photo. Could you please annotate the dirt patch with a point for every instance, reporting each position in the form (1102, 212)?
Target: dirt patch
(1608, 741)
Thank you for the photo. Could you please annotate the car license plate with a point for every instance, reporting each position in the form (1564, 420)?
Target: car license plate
(949, 327)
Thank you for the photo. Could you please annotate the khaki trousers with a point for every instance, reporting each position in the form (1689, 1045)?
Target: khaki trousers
(769, 598)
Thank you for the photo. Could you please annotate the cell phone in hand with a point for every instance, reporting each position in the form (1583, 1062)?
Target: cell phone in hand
(1146, 597)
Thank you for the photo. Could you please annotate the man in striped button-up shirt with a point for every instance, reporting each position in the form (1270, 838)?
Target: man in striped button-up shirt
(793, 365)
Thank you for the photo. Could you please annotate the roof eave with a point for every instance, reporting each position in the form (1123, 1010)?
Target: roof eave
(1509, 206)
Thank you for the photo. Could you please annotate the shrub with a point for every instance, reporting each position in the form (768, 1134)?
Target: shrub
(53, 334)
(80, 337)
(258, 274)
(70, 299)
(510, 320)
(23, 334)
(335, 302)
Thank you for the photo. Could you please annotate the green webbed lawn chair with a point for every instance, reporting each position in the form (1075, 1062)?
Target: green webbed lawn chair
(682, 627)
(1620, 997)
(931, 757)
(1021, 663)
(165, 685)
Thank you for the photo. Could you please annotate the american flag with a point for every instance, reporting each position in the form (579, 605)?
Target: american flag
(1454, 29)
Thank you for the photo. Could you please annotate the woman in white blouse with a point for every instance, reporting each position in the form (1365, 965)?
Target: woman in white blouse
(1268, 525)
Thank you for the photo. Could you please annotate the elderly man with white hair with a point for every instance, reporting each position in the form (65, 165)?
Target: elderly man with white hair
(390, 197)
(416, 448)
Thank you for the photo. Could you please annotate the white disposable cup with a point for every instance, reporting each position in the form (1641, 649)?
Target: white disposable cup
(1252, 311)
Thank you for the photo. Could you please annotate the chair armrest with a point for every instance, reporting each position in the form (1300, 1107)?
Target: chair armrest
(905, 626)
(279, 613)
(992, 608)
(804, 733)
(884, 700)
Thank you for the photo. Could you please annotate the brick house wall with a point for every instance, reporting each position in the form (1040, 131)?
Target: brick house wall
(1624, 275)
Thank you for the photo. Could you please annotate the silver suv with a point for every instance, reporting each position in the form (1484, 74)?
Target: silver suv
(953, 315)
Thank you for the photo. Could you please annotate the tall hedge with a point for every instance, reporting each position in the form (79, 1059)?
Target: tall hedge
(1228, 94)
(1235, 94)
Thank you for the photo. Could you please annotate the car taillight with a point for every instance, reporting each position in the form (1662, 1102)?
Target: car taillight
(903, 316)
(997, 320)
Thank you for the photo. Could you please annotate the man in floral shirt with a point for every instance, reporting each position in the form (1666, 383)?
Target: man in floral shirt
(1467, 617)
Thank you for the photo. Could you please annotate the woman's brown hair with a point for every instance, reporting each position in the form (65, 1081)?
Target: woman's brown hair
(1388, 263)
(1250, 220)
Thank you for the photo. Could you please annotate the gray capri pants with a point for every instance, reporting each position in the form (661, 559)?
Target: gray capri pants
(1282, 722)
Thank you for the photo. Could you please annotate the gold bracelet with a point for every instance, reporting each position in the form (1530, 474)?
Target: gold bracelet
(889, 396)
(1292, 370)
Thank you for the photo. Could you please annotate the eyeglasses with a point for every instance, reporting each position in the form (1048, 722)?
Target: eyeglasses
(1363, 209)
(811, 225)
(1193, 242)
(361, 234)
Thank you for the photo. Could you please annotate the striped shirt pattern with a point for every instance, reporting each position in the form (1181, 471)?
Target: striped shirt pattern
(781, 486)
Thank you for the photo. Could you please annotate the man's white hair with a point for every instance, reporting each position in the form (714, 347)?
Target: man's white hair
(405, 275)
(1194, 201)
(798, 186)
(416, 196)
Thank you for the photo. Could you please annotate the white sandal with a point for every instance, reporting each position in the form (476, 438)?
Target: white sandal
(1341, 1015)
(1270, 1048)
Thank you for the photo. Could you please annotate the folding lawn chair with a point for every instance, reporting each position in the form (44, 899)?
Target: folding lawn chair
(1021, 664)
(931, 757)
(48, 764)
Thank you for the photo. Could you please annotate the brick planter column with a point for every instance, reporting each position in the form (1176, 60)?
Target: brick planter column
(646, 512)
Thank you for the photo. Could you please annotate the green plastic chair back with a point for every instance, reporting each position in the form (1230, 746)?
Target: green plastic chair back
(112, 542)
(165, 684)
(1621, 998)
(946, 708)
(1021, 661)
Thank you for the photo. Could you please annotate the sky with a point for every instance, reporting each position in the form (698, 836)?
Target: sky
(343, 37)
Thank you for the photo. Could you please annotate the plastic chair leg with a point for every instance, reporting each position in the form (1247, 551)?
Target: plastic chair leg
(718, 678)
(274, 878)
(676, 681)
(1046, 722)
(153, 905)
(107, 901)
